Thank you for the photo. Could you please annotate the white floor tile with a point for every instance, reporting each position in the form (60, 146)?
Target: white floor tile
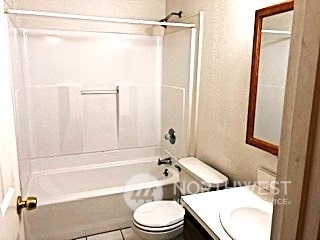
(116, 235)
(129, 234)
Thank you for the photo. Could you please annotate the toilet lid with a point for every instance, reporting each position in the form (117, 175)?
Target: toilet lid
(159, 214)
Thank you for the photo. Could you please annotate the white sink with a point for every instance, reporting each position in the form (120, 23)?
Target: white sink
(248, 222)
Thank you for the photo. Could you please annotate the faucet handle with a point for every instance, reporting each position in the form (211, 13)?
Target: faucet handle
(171, 136)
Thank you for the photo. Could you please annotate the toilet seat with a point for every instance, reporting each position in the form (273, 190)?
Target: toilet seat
(159, 216)
(158, 229)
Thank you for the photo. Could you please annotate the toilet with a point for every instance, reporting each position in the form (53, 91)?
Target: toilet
(163, 220)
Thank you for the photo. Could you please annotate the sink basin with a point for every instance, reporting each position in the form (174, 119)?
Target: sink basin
(248, 222)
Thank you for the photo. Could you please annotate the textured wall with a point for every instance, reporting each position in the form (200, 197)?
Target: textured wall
(225, 75)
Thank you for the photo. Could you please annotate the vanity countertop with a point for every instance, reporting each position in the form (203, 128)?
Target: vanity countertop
(205, 207)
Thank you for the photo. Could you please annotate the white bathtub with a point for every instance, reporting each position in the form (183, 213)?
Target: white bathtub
(77, 201)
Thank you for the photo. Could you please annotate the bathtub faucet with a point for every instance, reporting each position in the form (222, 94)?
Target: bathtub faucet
(167, 160)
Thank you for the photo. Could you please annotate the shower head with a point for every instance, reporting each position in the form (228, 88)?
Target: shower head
(179, 14)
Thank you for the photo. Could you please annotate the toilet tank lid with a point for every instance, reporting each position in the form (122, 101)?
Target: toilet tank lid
(207, 175)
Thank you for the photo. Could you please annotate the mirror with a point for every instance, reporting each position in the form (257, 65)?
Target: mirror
(270, 57)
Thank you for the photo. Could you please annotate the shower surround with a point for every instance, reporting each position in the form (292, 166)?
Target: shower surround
(65, 134)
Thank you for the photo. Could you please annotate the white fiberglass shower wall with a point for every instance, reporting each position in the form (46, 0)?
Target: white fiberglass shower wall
(93, 100)
(62, 64)
(55, 119)
(178, 89)
(151, 76)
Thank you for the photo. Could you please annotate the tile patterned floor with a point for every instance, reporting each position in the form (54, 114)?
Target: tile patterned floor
(123, 234)
(128, 234)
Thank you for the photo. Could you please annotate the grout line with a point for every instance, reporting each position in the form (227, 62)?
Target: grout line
(120, 230)
(86, 237)
(122, 235)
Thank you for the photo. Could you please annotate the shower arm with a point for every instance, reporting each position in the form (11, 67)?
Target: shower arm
(179, 14)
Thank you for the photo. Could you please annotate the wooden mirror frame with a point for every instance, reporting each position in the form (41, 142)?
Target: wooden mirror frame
(260, 14)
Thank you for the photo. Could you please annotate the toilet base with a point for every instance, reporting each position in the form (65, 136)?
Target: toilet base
(174, 234)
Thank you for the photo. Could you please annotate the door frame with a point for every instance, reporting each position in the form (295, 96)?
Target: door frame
(300, 136)
(11, 224)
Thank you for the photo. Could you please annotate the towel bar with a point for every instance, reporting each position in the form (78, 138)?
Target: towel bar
(84, 92)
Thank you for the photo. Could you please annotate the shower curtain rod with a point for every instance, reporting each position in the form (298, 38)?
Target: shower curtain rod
(95, 18)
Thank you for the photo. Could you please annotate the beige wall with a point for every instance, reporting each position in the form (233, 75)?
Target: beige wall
(226, 62)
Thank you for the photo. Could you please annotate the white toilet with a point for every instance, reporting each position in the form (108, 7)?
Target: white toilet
(163, 220)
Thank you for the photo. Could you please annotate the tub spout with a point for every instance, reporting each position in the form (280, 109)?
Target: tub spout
(167, 160)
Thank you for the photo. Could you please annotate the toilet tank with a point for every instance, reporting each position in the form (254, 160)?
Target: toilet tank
(196, 177)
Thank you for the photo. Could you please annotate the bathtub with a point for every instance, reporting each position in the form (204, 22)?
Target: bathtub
(81, 200)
